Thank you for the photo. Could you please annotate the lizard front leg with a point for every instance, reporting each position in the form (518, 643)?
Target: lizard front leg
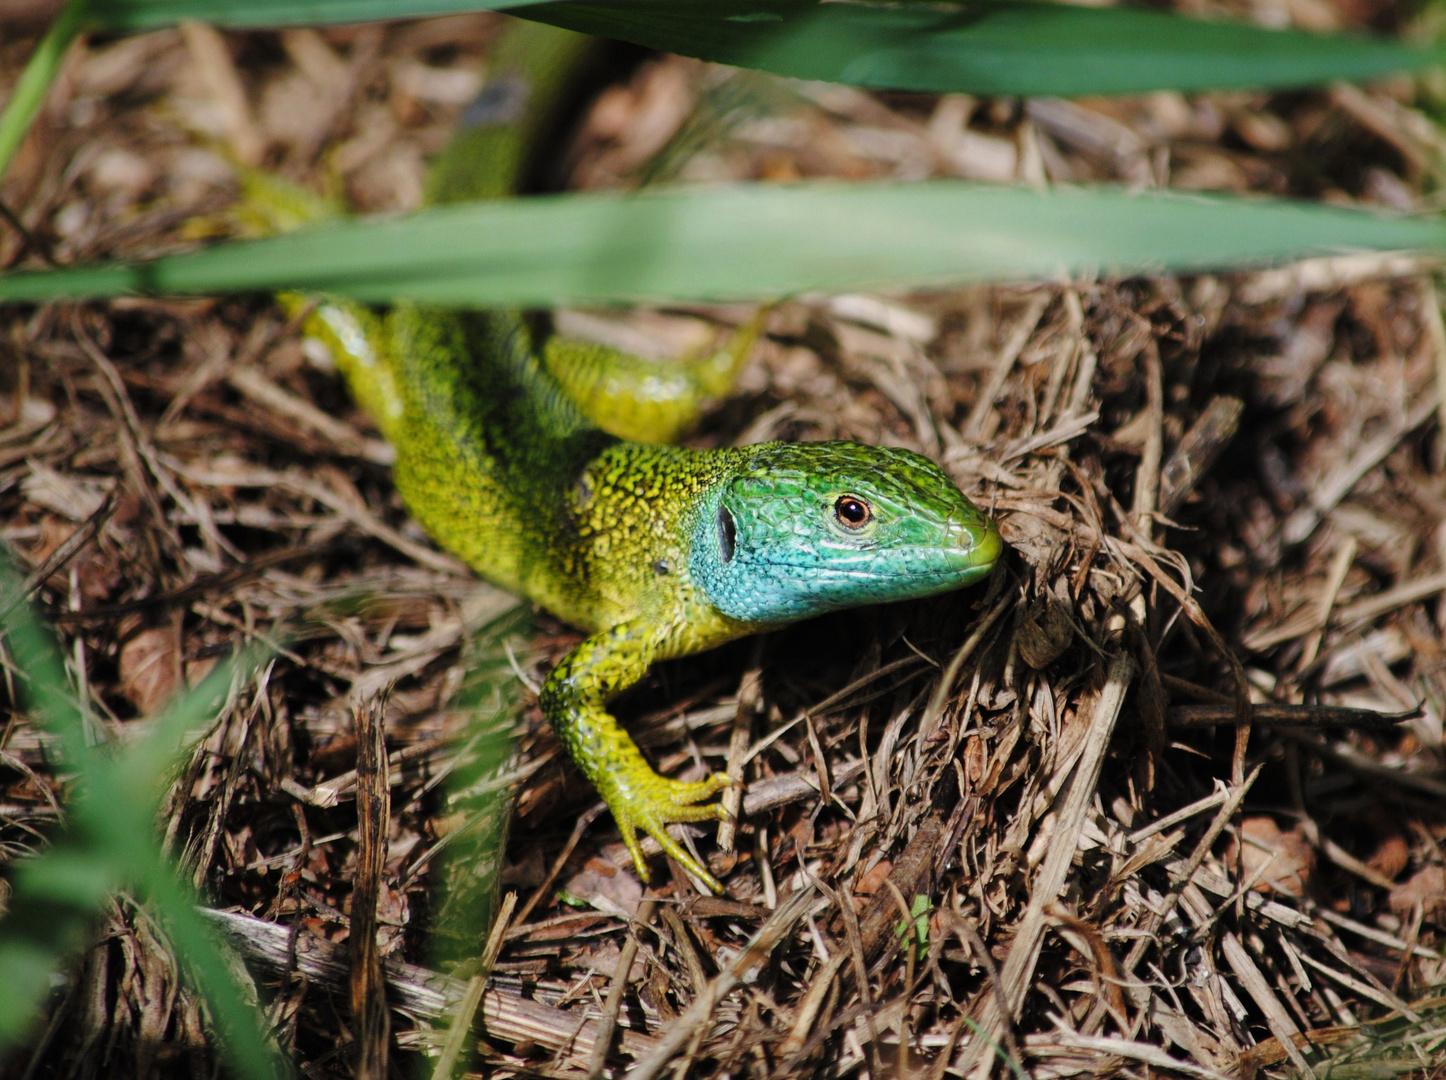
(574, 701)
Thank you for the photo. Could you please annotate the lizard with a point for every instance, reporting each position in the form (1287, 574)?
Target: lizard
(548, 468)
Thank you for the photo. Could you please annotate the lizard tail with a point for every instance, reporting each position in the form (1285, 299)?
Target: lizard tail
(486, 159)
(353, 335)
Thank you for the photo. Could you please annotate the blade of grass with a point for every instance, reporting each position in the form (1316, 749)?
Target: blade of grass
(1014, 47)
(148, 761)
(467, 866)
(976, 46)
(34, 82)
(41, 678)
(153, 14)
(57, 897)
(54, 903)
(122, 791)
(751, 242)
(250, 1052)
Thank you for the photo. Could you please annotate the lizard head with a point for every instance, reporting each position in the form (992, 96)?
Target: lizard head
(800, 529)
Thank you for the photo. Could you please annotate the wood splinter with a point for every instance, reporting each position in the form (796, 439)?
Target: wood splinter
(1297, 716)
(1197, 451)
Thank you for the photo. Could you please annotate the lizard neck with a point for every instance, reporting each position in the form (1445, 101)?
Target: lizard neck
(625, 550)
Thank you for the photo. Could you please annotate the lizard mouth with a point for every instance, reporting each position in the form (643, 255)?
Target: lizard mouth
(984, 547)
(967, 555)
(976, 547)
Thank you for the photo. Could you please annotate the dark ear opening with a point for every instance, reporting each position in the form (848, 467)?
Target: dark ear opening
(727, 534)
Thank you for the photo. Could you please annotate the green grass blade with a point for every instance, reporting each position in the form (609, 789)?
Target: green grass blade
(42, 681)
(54, 904)
(122, 791)
(1012, 47)
(751, 242)
(146, 764)
(57, 900)
(34, 82)
(468, 862)
(250, 1053)
(57, 896)
(975, 46)
(153, 14)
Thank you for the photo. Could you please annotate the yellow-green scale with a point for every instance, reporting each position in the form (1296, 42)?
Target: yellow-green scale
(505, 471)
(656, 551)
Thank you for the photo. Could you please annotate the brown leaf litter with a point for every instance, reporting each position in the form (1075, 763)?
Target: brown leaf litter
(1020, 822)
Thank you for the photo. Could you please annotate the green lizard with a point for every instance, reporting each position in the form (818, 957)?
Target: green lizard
(527, 462)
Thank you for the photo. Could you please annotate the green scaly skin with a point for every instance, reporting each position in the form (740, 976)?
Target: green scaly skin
(657, 551)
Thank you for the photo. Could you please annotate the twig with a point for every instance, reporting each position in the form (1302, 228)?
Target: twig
(1185, 813)
(138, 456)
(29, 241)
(251, 383)
(776, 791)
(1197, 451)
(1063, 1038)
(684, 944)
(935, 709)
(1161, 912)
(1381, 119)
(1354, 760)
(373, 806)
(819, 985)
(1197, 616)
(1335, 578)
(1374, 607)
(467, 1009)
(621, 977)
(1177, 685)
(1282, 715)
(583, 821)
(1049, 882)
(753, 957)
(985, 959)
(369, 523)
(912, 875)
(829, 702)
(1331, 274)
(211, 57)
(1147, 475)
(1008, 354)
(1365, 989)
(749, 698)
(1430, 304)
(209, 583)
(1276, 1017)
(1328, 493)
(72, 546)
(1371, 933)
(282, 951)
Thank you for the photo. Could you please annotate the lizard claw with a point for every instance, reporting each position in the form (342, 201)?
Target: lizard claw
(650, 805)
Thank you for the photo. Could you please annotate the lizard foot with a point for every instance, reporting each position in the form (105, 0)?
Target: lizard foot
(650, 803)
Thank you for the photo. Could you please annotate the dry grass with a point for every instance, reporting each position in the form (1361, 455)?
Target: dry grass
(1019, 823)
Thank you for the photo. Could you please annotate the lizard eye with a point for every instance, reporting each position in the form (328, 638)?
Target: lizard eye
(852, 512)
(727, 534)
